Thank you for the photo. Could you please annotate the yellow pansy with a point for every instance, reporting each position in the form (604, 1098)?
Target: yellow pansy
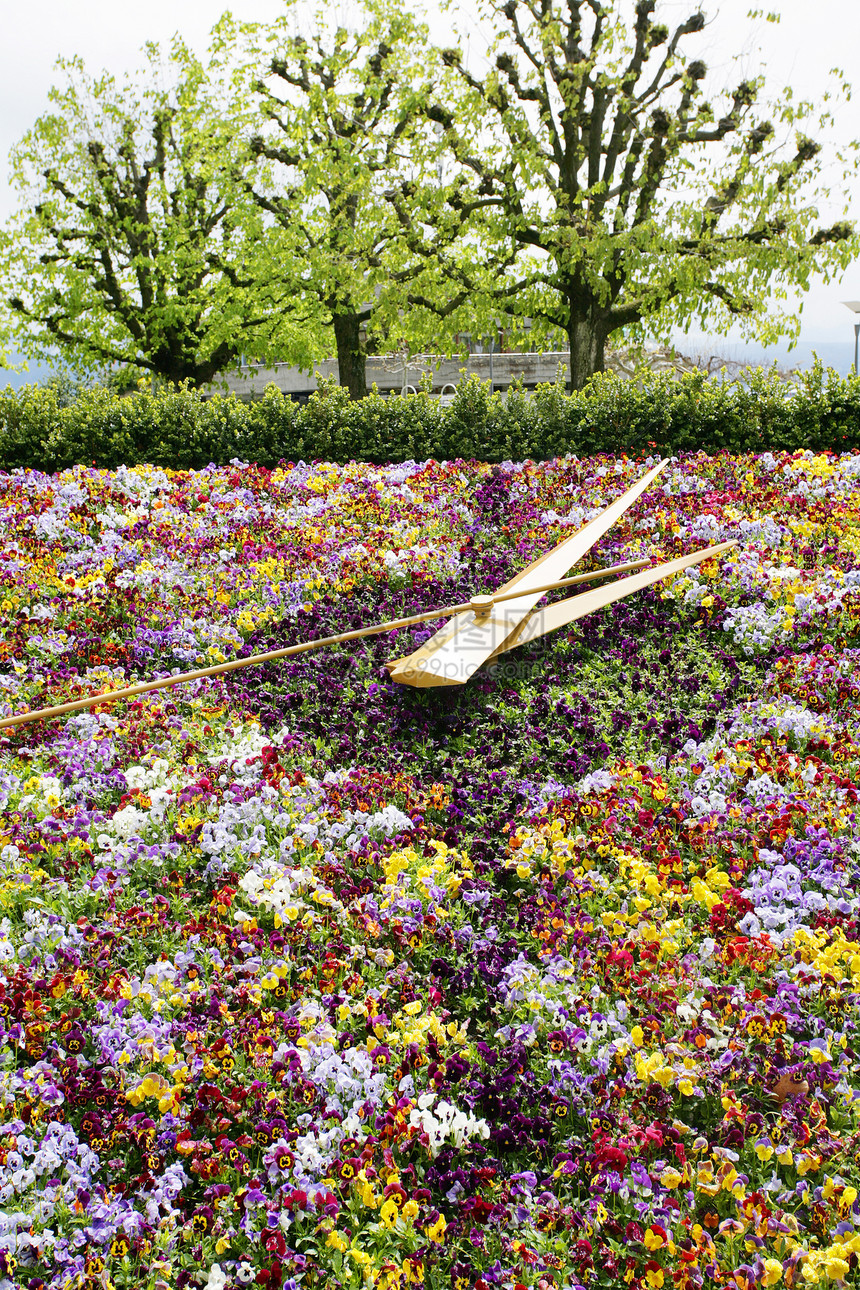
(389, 1213)
(436, 1233)
(772, 1272)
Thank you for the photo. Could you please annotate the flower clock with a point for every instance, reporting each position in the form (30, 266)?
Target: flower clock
(501, 942)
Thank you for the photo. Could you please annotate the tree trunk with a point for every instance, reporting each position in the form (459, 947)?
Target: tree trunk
(351, 356)
(175, 365)
(586, 335)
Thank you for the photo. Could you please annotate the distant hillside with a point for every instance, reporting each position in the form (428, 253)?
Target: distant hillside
(833, 353)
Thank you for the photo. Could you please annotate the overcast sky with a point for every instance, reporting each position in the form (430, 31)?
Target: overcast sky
(809, 41)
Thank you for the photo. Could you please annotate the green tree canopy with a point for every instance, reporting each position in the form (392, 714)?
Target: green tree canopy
(134, 240)
(347, 176)
(631, 192)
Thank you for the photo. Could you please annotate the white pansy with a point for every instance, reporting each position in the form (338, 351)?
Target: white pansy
(129, 822)
(446, 1122)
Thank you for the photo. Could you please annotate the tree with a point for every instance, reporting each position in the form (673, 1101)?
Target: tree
(631, 196)
(340, 126)
(134, 231)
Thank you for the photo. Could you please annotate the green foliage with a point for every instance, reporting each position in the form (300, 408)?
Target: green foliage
(178, 428)
(471, 421)
(135, 243)
(29, 416)
(318, 188)
(333, 125)
(632, 189)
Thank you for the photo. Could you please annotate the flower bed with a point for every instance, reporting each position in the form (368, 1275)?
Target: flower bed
(308, 979)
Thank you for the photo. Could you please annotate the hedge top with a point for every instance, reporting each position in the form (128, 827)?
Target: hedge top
(179, 428)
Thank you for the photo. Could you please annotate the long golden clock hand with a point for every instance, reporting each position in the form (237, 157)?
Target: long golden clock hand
(478, 605)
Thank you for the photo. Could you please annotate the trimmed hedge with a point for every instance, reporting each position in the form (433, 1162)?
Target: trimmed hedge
(180, 429)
